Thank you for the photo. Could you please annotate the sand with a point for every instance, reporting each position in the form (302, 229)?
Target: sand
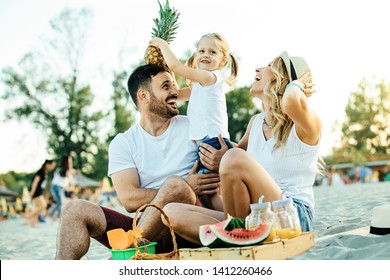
(338, 209)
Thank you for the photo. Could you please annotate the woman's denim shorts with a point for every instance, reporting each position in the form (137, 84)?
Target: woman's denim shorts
(305, 214)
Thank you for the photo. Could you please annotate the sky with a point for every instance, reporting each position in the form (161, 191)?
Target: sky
(343, 42)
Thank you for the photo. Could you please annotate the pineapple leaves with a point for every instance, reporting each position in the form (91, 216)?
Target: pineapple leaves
(167, 23)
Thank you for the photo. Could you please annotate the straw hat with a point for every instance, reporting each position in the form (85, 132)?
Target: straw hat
(296, 66)
(380, 220)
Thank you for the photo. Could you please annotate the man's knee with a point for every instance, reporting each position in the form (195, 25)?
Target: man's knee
(76, 208)
(176, 189)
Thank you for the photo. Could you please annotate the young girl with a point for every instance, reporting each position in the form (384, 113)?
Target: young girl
(206, 111)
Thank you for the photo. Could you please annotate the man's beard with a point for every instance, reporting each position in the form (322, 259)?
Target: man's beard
(160, 108)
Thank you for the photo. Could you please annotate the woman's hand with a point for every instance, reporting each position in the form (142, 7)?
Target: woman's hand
(307, 88)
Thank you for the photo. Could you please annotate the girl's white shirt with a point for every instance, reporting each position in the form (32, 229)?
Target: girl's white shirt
(207, 111)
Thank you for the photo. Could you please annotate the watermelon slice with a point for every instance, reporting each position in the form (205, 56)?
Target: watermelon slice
(242, 236)
(209, 239)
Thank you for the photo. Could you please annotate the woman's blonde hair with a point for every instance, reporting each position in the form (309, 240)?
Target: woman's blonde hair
(231, 60)
(274, 90)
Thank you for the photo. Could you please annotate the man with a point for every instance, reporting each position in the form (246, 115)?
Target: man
(152, 162)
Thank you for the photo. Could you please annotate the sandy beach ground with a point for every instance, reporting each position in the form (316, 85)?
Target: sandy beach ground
(338, 209)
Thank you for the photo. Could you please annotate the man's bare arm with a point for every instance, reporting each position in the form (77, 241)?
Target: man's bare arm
(130, 194)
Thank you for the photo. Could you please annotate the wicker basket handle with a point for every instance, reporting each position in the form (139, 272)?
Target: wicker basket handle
(138, 255)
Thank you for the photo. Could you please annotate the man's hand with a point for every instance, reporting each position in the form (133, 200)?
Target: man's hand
(210, 156)
(203, 184)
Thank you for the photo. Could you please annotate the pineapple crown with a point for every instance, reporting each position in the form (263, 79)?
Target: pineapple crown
(166, 24)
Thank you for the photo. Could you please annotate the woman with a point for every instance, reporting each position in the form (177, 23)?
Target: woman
(63, 179)
(277, 157)
(36, 191)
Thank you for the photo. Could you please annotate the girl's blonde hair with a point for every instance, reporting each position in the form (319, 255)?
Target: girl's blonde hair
(231, 60)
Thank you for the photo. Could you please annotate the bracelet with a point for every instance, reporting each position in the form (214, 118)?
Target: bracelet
(294, 84)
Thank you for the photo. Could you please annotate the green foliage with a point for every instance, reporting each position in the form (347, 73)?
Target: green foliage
(365, 130)
(124, 117)
(241, 108)
(16, 181)
(167, 22)
(124, 114)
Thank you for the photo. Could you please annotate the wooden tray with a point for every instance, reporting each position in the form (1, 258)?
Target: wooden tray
(277, 250)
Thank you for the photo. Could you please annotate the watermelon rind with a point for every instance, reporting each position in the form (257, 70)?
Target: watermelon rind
(242, 236)
(208, 238)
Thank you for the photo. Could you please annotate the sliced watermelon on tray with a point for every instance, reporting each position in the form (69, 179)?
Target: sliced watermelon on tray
(231, 232)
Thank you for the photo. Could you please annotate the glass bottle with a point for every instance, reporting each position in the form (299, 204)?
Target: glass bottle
(286, 219)
(261, 213)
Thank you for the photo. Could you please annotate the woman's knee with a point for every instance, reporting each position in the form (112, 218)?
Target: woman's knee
(232, 161)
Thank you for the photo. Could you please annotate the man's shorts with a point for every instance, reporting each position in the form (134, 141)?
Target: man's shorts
(118, 220)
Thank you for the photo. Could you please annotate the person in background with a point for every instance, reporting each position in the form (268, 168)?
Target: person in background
(63, 179)
(36, 192)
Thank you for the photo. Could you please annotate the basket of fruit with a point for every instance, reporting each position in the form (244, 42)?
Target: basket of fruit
(131, 244)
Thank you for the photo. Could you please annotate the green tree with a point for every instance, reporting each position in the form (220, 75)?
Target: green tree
(123, 112)
(241, 108)
(47, 90)
(124, 109)
(366, 128)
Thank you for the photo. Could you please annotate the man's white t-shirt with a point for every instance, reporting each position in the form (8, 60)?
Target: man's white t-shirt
(156, 158)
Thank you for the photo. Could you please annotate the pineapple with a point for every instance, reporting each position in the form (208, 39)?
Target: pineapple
(165, 28)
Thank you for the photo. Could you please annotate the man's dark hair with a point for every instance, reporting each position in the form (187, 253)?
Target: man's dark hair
(141, 77)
